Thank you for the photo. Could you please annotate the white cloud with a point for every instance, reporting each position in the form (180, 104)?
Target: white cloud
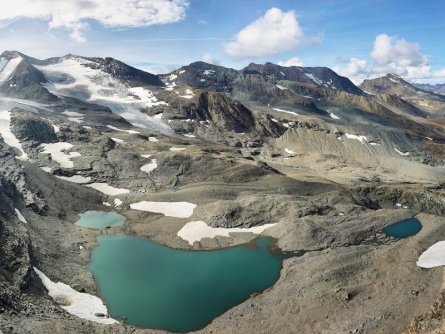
(208, 58)
(72, 14)
(392, 55)
(273, 33)
(295, 61)
(356, 69)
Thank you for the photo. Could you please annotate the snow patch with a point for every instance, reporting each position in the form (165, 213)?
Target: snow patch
(153, 139)
(58, 153)
(82, 305)
(146, 156)
(150, 166)
(189, 135)
(20, 216)
(122, 130)
(117, 202)
(333, 116)
(8, 136)
(169, 209)
(288, 151)
(434, 256)
(7, 67)
(281, 87)
(400, 152)
(197, 230)
(75, 179)
(188, 94)
(107, 189)
(362, 139)
(286, 111)
(118, 140)
(175, 149)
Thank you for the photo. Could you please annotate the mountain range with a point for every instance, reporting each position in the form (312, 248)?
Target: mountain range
(328, 162)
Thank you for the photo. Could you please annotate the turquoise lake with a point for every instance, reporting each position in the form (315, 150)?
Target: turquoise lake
(404, 228)
(100, 219)
(149, 285)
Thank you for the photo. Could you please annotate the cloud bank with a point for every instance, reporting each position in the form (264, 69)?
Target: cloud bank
(392, 55)
(73, 14)
(273, 33)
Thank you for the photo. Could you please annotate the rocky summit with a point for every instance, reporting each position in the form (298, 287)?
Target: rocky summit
(207, 157)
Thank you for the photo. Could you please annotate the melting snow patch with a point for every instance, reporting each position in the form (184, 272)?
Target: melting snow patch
(285, 111)
(107, 189)
(46, 169)
(281, 87)
(181, 72)
(153, 139)
(106, 203)
(289, 151)
(169, 209)
(150, 166)
(87, 127)
(122, 130)
(174, 149)
(188, 94)
(56, 129)
(8, 136)
(20, 216)
(82, 305)
(117, 202)
(57, 151)
(208, 72)
(189, 135)
(360, 138)
(333, 116)
(146, 156)
(74, 116)
(75, 179)
(433, 256)
(197, 230)
(117, 140)
(313, 78)
(400, 152)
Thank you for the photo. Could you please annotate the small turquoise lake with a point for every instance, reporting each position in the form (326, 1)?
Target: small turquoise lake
(100, 219)
(404, 228)
(153, 286)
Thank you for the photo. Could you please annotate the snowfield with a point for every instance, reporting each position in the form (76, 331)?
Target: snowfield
(195, 231)
(73, 77)
(169, 209)
(82, 305)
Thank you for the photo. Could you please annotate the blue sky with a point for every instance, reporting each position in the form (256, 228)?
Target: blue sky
(341, 34)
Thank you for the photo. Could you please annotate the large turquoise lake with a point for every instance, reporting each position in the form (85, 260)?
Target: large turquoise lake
(153, 286)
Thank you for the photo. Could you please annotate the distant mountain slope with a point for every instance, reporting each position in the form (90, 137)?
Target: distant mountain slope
(395, 85)
(436, 89)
